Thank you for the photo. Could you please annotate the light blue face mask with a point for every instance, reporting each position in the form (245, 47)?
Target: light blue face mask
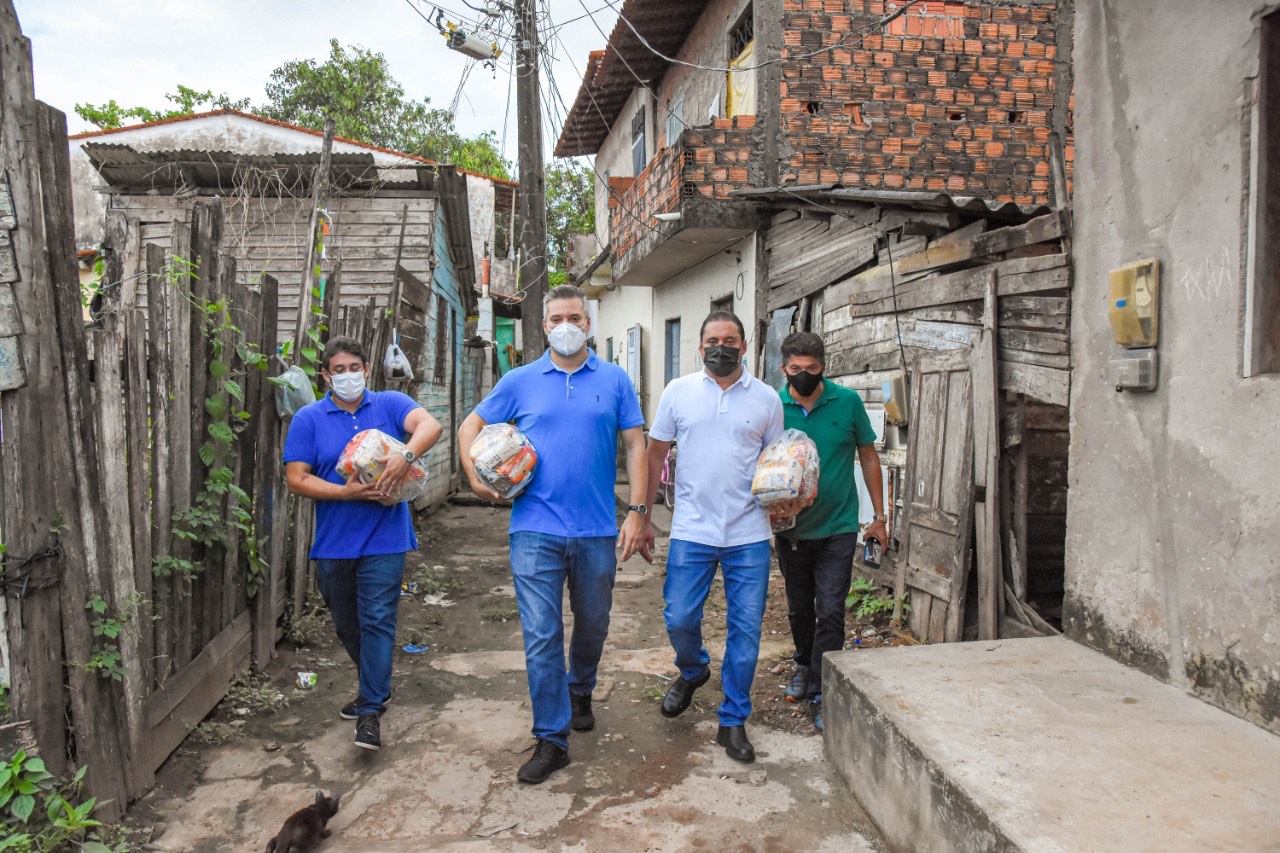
(347, 387)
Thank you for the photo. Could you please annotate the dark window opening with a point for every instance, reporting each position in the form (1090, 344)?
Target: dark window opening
(671, 360)
(743, 33)
(1017, 117)
(956, 115)
(812, 107)
(724, 303)
(1262, 296)
(442, 339)
(639, 145)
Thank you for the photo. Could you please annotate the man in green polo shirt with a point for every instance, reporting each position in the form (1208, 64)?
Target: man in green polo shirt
(816, 556)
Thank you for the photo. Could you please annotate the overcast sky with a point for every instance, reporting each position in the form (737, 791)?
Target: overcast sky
(136, 51)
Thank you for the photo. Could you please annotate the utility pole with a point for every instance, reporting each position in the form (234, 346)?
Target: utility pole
(532, 271)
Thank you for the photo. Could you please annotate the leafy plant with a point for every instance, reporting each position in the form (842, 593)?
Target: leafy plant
(868, 602)
(40, 812)
(257, 693)
(501, 614)
(436, 579)
(107, 628)
(221, 506)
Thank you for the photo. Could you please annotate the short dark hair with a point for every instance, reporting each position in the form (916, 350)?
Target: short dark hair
(803, 343)
(722, 316)
(340, 345)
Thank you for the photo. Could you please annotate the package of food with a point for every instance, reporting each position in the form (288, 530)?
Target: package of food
(504, 458)
(363, 458)
(787, 469)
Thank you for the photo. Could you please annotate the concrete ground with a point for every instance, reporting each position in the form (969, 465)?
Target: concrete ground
(458, 729)
(1043, 744)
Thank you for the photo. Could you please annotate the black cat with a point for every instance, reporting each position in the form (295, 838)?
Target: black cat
(303, 830)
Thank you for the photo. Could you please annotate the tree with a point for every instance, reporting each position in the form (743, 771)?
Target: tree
(111, 115)
(571, 207)
(355, 86)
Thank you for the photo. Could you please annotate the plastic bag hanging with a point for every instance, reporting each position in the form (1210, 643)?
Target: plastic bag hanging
(293, 391)
(396, 365)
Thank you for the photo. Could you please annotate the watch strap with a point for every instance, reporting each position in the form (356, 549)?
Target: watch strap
(640, 508)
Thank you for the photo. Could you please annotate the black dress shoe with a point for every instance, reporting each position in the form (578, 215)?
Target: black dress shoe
(547, 759)
(735, 743)
(583, 720)
(681, 694)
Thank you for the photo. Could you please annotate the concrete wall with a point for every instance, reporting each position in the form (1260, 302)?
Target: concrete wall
(1173, 545)
(688, 296)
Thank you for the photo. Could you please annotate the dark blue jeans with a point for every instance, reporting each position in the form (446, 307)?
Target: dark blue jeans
(690, 570)
(362, 596)
(540, 565)
(817, 573)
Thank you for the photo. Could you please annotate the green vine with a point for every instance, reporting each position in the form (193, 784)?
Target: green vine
(106, 658)
(206, 523)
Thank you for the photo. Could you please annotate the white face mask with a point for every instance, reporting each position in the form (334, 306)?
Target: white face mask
(347, 387)
(567, 339)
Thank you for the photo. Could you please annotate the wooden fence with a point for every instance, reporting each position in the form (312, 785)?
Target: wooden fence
(140, 461)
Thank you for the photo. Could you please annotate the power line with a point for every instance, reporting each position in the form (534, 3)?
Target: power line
(791, 57)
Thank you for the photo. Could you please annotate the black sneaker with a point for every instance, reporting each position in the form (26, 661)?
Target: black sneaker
(547, 759)
(369, 732)
(583, 720)
(799, 685)
(348, 711)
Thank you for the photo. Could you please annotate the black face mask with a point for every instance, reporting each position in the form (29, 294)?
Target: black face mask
(722, 360)
(804, 383)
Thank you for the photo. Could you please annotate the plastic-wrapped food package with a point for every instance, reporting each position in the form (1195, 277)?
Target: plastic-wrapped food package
(788, 469)
(293, 391)
(504, 459)
(362, 458)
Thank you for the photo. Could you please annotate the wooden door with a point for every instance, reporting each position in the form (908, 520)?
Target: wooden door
(938, 495)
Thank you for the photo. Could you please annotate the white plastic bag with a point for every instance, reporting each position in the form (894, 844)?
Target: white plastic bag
(787, 469)
(363, 458)
(504, 458)
(293, 391)
(396, 365)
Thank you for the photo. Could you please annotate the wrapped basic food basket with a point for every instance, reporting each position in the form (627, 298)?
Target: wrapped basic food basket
(787, 469)
(504, 458)
(362, 458)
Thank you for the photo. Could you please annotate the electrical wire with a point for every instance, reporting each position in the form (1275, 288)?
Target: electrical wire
(790, 57)
(897, 317)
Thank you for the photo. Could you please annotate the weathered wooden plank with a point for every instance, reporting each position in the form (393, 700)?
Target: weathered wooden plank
(1017, 277)
(807, 285)
(8, 260)
(1041, 383)
(238, 298)
(201, 608)
(8, 216)
(10, 319)
(1059, 362)
(160, 376)
(267, 488)
(139, 409)
(986, 468)
(184, 437)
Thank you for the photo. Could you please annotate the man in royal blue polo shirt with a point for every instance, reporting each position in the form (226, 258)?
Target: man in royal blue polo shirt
(361, 537)
(572, 406)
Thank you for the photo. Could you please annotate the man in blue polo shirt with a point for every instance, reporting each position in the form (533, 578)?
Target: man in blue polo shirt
(572, 406)
(360, 540)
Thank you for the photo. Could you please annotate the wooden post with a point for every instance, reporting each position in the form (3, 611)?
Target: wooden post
(160, 301)
(183, 449)
(319, 197)
(986, 466)
(266, 479)
(332, 299)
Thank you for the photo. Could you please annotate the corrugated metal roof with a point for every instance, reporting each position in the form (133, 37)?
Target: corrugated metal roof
(609, 78)
(898, 198)
(129, 170)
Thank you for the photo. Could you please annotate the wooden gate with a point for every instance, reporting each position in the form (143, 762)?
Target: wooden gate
(938, 496)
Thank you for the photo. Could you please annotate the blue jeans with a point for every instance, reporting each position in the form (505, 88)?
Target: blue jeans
(690, 569)
(540, 565)
(362, 596)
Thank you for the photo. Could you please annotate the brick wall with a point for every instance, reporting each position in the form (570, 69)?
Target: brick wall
(953, 96)
(634, 201)
(722, 157)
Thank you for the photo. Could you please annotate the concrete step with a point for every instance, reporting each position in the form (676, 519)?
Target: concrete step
(1043, 744)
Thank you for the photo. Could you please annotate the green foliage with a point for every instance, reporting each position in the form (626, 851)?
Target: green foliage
(40, 812)
(868, 602)
(571, 207)
(256, 693)
(186, 100)
(354, 85)
(106, 659)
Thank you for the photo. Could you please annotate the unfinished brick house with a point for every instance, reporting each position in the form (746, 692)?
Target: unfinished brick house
(788, 159)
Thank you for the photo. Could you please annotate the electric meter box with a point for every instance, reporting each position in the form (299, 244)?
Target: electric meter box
(1134, 304)
(896, 408)
(1136, 370)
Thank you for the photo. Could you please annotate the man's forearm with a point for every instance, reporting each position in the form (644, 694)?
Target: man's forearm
(424, 437)
(873, 474)
(655, 455)
(637, 470)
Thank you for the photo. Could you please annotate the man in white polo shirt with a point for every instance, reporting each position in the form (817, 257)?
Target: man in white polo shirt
(722, 418)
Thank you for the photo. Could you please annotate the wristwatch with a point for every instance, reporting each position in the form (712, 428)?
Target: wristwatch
(408, 455)
(640, 508)
(876, 518)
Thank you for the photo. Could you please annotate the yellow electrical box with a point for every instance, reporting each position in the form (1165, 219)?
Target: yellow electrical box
(1134, 304)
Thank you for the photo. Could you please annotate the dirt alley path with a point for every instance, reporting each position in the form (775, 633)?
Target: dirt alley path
(458, 729)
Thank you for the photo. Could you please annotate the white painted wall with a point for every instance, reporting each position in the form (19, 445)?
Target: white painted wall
(617, 311)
